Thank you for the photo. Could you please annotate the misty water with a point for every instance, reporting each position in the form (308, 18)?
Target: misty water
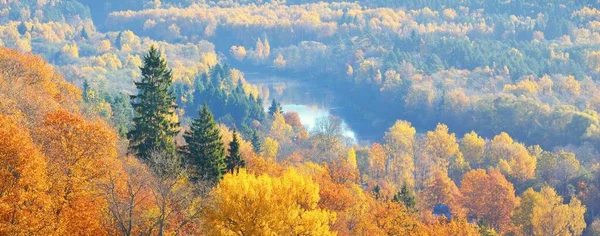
(309, 101)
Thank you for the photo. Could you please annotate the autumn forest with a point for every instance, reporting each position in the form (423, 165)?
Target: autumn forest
(300, 117)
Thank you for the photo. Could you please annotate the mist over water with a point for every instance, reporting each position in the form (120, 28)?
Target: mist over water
(309, 101)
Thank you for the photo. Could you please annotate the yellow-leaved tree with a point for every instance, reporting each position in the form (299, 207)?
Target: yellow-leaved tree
(245, 204)
(442, 146)
(543, 213)
(399, 146)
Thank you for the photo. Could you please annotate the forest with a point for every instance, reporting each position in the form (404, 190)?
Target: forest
(300, 117)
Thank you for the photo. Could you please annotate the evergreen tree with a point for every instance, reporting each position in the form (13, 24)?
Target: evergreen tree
(84, 33)
(256, 142)
(22, 28)
(204, 151)
(234, 160)
(275, 107)
(154, 128)
(405, 197)
(86, 90)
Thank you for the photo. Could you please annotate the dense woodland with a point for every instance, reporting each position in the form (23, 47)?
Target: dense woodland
(135, 118)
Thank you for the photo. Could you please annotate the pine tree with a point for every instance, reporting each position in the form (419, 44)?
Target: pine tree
(275, 107)
(234, 160)
(154, 128)
(256, 142)
(204, 151)
(405, 197)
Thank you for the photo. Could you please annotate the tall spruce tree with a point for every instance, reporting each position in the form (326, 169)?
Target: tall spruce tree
(275, 107)
(256, 144)
(154, 128)
(234, 160)
(204, 151)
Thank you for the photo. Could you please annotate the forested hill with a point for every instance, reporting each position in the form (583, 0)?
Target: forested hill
(190, 117)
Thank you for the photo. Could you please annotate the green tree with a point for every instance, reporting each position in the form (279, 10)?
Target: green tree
(256, 144)
(406, 197)
(155, 125)
(274, 108)
(204, 151)
(234, 160)
(86, 90)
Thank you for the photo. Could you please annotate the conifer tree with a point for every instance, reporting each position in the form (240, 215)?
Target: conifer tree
(204, 151)
(275, 107)
(256, 142)
(86, 90)
(234, 160)
(406, 197)
(154, 128)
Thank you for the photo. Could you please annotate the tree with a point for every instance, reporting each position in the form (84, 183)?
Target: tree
(80, 154)
(556, 169)
(155, 125)
(204, 151)
(473, 147)
(256, 144)
(24, 202)
(441, 190)
(544, 213)
(399, 146)
(245, 204)
(377, 160)
(512, 158)
(234, 160)
(292, 118)
(406, 197)
(442, 146)
(271, 148)
(327, 137)
(86, 90)
(489, 197)
(275, 108)
(173, 195)
(279, 129)
(351, 158)
(127, 194)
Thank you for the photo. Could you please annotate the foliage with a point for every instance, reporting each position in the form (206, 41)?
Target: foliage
(204, 150)
(155, 124)
(249, 204)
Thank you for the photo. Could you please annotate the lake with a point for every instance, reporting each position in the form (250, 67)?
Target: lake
(309, 101)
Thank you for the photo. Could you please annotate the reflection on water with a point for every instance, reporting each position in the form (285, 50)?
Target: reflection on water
(309, 101)
(310, 114)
